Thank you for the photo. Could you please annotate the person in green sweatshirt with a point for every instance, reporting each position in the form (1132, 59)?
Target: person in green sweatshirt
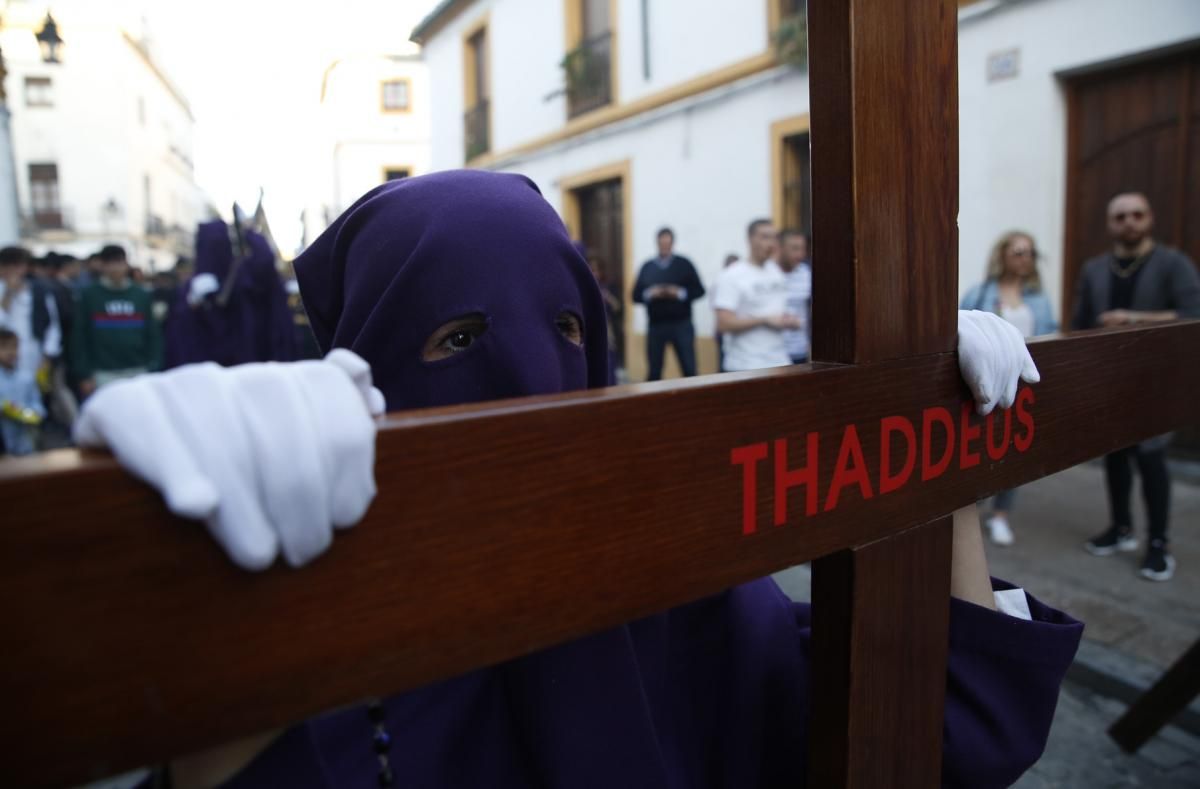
(115, 334)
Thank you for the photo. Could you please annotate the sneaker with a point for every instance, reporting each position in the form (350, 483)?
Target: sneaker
(998, 531)
(1117, 538)
(1158, 564)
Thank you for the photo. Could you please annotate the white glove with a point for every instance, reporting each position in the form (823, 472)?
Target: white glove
(993, 359)
(200, 286)
(268, 455)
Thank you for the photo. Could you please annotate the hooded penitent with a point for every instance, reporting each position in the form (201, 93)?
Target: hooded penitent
(706, 695)
(253, 324)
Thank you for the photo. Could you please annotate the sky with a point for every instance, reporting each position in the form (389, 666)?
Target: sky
(251, 70)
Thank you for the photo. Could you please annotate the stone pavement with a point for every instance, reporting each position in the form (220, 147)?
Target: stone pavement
(1134, 629)
(1152, 622)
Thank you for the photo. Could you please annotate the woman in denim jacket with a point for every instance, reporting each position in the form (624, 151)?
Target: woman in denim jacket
(1012, 290)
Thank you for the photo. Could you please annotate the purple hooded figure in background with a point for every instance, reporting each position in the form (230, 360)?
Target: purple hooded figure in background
(464, 286)
(246, 320)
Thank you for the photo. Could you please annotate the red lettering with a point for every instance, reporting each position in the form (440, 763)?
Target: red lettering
(748, 458)
(850, 468)
(934, 470)
(968, 432)
(786, 478)
(889, 425)
(1025, 399)
(996, 452)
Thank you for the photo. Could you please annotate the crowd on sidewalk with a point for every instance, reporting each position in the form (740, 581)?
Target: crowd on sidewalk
(70, 326)
(763, 307)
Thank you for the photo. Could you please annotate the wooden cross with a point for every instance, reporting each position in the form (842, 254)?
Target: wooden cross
(502, 528)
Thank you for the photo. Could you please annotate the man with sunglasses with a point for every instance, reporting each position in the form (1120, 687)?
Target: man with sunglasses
(1137, 281)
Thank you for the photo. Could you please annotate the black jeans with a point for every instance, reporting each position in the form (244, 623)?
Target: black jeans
(1156, 487)
(680, 334)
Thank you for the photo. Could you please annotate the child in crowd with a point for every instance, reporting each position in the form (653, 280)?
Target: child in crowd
(21, 409)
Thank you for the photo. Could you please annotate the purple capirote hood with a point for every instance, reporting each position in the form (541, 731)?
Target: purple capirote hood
(414, 254)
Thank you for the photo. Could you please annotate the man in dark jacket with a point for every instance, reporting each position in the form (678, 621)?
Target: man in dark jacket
(667, 285)
(1137, 281)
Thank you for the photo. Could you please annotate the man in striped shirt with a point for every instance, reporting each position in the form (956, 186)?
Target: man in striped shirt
(793, 259)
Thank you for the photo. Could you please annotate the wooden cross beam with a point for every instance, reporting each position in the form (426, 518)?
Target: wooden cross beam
(503, 528)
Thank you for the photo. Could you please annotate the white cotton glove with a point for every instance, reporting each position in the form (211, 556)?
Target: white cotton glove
(993, 359)
(271, 456)
(200, 286)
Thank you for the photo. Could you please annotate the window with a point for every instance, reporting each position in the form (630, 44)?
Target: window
(588, 64)
(476, 90)
(39, 92)
(395, 173)
(395, 95)
(43, 196)
(791, 175)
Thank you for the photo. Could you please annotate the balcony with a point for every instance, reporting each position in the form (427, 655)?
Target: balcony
(155, 226)
(476, 140)
(588, 70)
(50, 219)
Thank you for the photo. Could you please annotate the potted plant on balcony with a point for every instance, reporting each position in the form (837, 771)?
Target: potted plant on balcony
(791, 41)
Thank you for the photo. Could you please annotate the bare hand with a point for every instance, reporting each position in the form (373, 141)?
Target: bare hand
(784, 321)
(1116, 318)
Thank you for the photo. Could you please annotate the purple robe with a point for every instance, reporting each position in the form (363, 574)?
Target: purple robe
(254, 325)
(710, 694)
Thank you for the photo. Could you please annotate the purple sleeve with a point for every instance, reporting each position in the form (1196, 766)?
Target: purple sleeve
(1001, 690)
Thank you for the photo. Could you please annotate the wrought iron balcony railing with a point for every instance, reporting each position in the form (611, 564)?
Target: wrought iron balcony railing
(588, 69)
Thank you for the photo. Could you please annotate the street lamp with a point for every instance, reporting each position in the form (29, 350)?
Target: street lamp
(49, 40)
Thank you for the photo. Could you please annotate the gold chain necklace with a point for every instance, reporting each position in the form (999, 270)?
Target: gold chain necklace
(1126, 273)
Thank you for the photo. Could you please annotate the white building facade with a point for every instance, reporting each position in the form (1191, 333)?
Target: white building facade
(102, 145)
(677, 113)
(375, 127)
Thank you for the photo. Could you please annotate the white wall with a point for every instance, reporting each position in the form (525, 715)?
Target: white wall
(702, 167)
(688, 38)
(1013, 131)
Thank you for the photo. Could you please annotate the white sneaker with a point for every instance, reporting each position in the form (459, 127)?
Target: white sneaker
(998, 531)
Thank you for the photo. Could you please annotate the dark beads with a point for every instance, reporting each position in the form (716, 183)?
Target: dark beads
(382, 741)
(376, 712)
(385, 777)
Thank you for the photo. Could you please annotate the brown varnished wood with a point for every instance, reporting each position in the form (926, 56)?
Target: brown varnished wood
(885, 173)
(499, 529)
(1174, 690)
(884, 119)
(878, 664)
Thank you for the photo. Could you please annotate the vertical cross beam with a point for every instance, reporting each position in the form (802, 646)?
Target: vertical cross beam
(884, 120)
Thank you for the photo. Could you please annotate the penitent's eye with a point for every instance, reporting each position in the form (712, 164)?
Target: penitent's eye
(570, 326)
(454, 337)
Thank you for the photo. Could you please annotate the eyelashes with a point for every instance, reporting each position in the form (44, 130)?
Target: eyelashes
(460, 334)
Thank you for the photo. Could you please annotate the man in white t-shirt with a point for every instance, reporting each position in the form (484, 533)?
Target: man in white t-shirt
(750, 298)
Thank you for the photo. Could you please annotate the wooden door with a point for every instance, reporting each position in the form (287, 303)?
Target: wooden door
(1134, 128)
(602, 230)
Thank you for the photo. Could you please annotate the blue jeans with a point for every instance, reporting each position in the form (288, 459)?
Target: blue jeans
(680, 334)
(1003, 500)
